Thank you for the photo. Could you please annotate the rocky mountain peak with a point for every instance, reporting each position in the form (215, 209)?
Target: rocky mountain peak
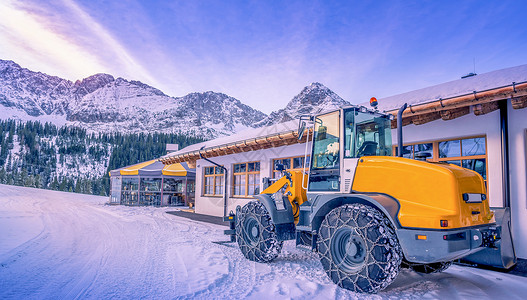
(215, 109)
(5, 64)
(315, 94)
(313, 99)
(92, 83)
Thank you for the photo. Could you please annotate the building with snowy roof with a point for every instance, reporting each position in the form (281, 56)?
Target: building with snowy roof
(478, 122)
(153, 183)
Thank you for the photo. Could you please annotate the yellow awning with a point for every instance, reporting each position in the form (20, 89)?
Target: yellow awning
(174, 170)
(134, 170)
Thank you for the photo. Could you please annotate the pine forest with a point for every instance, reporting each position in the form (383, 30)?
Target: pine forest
(69, 158)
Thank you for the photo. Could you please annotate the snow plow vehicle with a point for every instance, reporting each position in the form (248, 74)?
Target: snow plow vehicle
(367, 213)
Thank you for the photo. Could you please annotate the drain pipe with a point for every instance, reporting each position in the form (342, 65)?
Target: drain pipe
(504, 130)
(224, 181)
(400, 129)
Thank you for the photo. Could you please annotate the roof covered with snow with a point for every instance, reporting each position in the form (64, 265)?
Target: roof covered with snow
(241, 136)
(465, 86)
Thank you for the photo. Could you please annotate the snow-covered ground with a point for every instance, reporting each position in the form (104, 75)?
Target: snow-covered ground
(63, 246)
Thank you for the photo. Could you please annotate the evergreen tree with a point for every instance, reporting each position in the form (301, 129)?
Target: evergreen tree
(45, 149)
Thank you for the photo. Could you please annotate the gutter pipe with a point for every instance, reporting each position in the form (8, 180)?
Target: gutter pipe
(224, 182)
(504, 131)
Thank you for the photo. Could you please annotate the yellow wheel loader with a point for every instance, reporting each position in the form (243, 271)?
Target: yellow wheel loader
(366, 212)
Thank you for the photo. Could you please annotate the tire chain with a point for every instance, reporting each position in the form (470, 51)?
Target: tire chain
(386, 239)
(268, 247)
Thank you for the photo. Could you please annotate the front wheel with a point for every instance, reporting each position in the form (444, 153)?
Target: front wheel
(255, 233)
(358, 248)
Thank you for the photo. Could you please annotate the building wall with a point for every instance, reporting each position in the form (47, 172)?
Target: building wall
(214, 205)
(518, 177)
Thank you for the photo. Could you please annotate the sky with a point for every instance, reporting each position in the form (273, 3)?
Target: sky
(264, 52)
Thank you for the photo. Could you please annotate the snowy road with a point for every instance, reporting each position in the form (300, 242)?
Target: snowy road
(66, 246)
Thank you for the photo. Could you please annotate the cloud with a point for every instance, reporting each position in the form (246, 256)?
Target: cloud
(25, 39)
(62, 39)
(124, 59)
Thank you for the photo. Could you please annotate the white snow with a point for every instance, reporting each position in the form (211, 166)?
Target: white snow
(465, 86)
(62, 246)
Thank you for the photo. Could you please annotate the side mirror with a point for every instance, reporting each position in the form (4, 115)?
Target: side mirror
(301, 129)
(302, 125)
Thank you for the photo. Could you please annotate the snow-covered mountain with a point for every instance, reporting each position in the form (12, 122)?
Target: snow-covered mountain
(313, 99)
(103, 103)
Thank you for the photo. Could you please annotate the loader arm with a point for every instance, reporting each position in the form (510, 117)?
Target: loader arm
(290, 186)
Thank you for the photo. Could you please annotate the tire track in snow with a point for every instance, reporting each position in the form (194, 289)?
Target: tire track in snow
(240, 275)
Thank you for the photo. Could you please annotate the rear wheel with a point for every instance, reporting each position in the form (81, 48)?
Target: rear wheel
(255, 233)
(437, 267)
(358, 248)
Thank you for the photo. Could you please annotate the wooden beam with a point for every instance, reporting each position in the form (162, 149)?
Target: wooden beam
(291, 141)
(287, 135)
(423, 119)
(277, 140)
(519, 102)
(451, 114)
(519, 90)
(485, 108)
(406, 121)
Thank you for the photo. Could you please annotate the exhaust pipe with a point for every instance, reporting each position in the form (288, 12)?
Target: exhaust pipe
(400, 129)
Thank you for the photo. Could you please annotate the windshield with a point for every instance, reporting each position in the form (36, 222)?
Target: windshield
(325, 161)
(326, 142)
(366, 134)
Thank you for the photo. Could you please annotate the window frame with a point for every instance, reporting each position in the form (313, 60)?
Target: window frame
(291, 163)
(246, 173)
(215, 181)
(435, 151)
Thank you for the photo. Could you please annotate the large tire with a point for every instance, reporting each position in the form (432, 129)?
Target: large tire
(255, 233)
(437, 267)
(358, 248)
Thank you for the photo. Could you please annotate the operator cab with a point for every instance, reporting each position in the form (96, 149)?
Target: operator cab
(357, 131)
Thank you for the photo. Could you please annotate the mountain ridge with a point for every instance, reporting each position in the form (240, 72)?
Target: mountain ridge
(103, 103)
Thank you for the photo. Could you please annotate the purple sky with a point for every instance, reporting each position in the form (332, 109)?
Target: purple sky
(265, 52)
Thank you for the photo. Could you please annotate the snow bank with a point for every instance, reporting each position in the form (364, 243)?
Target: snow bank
(64, 245)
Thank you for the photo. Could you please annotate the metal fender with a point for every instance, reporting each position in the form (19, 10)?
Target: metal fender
(282, 219)
(323, 204)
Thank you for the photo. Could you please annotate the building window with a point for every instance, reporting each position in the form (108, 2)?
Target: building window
(213, 183)
(173, 193)
(470, 153)
(150, 192)
(415, 150)
(290, 164)
(246, 179)
(130, 191)
(115, 195)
